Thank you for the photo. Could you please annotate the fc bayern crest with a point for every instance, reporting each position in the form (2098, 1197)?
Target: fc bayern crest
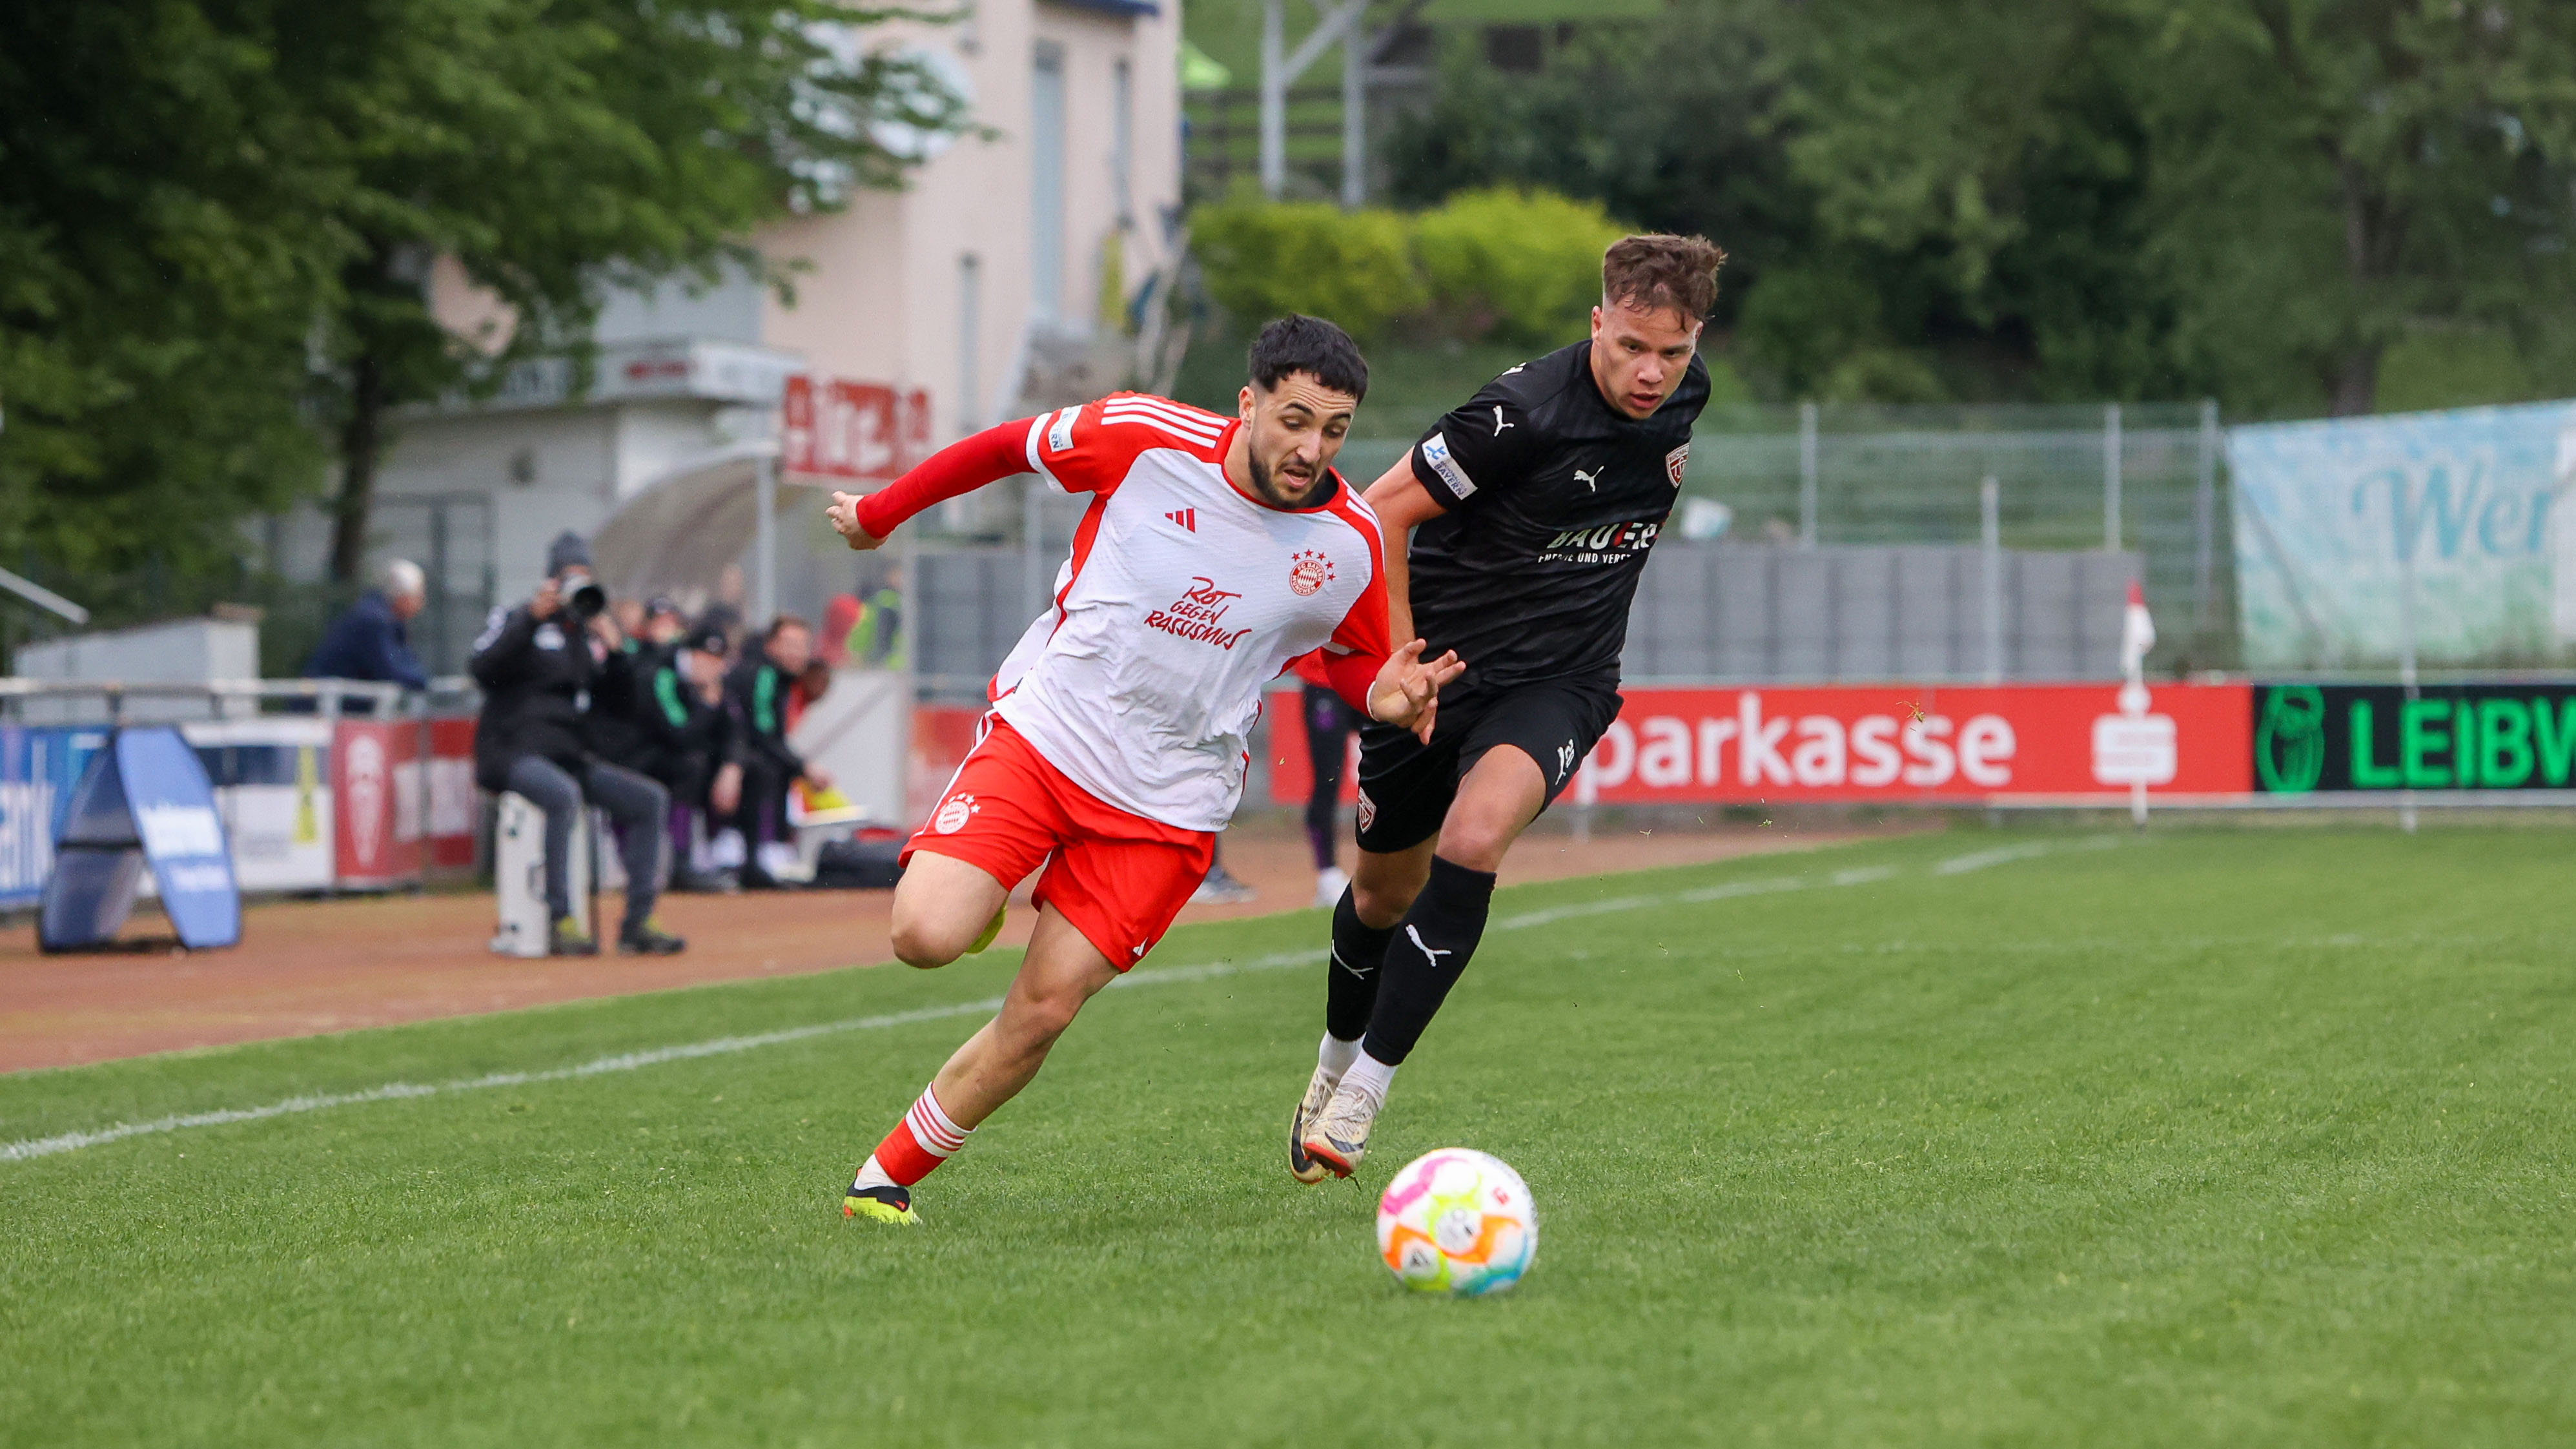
(1309, 571)
(1674, 461)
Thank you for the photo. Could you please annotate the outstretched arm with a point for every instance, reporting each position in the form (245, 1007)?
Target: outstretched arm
(960, 468)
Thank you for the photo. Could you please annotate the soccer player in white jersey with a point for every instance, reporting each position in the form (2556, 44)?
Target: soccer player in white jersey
(1215, 551)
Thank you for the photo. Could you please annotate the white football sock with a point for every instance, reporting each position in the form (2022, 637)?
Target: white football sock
(1369, 1077)
(871, 1175)
(1336, 1055)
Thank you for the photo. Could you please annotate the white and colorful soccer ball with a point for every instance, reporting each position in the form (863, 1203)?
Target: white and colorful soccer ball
(1457, 1221)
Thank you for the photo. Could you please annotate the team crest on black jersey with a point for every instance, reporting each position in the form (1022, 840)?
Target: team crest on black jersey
(1674, 461)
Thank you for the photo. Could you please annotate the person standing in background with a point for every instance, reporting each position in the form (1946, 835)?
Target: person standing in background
(841, 615)
(371, 639)
(877, 641)
(758, 694)
(1329, 727)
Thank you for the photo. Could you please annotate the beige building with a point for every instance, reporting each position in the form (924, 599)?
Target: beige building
(1026, 241)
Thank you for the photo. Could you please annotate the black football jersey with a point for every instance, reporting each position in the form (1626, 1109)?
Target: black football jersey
(1553, 498)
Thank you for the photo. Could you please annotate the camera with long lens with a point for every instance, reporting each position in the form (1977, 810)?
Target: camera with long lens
(583, 596)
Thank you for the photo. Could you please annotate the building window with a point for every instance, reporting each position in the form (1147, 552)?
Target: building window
(1046, 183)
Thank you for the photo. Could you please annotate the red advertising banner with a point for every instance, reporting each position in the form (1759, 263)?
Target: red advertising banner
(1889, 742)
(454, 808)
(375, 768)
(835, 428)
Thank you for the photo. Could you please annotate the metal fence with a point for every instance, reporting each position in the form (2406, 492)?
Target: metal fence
(1884, 498)
(2143, 478)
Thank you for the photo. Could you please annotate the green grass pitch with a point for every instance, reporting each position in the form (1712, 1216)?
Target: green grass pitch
(2225, 1137)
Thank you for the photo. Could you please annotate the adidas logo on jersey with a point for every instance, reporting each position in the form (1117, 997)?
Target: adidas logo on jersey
(1186, 517)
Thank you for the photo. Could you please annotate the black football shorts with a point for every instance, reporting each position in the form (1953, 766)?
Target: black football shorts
(1406, 785)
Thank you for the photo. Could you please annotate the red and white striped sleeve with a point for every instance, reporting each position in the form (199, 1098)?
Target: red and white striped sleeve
(1089, 449)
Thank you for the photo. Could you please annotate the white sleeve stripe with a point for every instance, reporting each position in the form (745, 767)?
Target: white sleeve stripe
(1191, 428)
(1176, 412)
(1037, 465)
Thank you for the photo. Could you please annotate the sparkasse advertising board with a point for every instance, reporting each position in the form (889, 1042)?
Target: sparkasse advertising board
(1893, 742)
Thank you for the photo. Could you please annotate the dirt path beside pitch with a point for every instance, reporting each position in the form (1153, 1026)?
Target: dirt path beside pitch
(307, 967)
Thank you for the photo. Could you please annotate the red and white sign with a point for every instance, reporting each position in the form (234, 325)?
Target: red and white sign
(1890, 742)
(375, 772)
(835, 428)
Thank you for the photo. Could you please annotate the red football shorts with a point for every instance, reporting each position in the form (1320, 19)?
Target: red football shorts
(1119, 878)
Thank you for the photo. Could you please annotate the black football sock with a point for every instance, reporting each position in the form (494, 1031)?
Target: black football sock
(1432, 946)
(1358, 949)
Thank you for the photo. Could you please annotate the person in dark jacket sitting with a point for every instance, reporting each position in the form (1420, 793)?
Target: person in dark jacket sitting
(368, 640)
(757, 693)
(536, 664)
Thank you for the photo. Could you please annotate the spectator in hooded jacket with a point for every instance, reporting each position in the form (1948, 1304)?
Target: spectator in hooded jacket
(536, 664)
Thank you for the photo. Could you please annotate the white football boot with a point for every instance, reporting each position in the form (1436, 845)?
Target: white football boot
(1302, 1164)
(1338, 1137)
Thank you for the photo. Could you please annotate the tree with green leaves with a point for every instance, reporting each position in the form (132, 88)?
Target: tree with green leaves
(217, 218)
(2334, 173)
(556, 148)
(2108, 198)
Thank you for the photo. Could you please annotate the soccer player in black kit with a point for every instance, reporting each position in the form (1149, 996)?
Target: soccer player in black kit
(1515, 533)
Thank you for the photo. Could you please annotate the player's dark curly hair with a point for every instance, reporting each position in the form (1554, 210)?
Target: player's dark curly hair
(1313, 346)
(1658, 271)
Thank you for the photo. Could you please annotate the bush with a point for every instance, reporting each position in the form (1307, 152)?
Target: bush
(1265, 258)
(1522, 265)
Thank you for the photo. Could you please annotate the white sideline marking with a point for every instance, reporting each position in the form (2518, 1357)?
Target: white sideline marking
(622, 1062)
(34, 1147)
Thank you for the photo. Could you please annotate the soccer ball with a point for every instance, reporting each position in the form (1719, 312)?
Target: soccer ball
(1457, 1221)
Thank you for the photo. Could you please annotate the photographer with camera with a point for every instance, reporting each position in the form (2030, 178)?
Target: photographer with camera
(537, 664)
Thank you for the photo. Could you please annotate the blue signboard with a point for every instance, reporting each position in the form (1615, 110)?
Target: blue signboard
(183, 837)
(144, 800)
(39, 765)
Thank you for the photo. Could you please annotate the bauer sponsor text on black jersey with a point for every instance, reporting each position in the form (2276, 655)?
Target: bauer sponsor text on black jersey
(1553, 498)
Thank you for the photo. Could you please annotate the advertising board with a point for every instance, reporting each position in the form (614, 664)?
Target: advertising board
(837, 428)
(2448, 737)
(273, 779)
(1895, 743)
(39, 765)
(2352, 531)
(375, 785)
(454, 809)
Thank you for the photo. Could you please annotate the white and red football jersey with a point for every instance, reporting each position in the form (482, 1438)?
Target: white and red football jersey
(1181, 600)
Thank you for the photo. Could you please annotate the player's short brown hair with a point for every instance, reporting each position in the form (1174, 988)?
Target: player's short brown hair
(1655, 271)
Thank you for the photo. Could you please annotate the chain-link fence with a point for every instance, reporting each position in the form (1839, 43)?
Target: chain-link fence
(2130, 488)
